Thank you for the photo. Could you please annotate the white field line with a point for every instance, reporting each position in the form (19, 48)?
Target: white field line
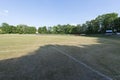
(85, 65)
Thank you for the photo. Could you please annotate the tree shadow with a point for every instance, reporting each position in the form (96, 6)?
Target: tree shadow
(47, 63)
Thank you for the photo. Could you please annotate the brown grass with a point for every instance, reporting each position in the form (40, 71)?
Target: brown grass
(30, 57)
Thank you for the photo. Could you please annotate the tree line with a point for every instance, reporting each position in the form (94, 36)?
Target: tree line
(100, 24)
(20, 29)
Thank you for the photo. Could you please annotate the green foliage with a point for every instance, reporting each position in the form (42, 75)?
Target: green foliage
(116, 24)
(66, 29)
(39, 30)
(49, 30)
(42, 30)
(106, 20)
(98, 25)
(24, 29)
(30, 30)
(5, 28)
(21, 29)
(1, 30)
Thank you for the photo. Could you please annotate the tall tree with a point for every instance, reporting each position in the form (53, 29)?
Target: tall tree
(1, 30)
(116, 24)
(21, 29)
(42, 30)
(5, 28)
(105, 20)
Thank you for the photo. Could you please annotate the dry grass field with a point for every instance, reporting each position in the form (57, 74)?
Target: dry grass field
(59, 57)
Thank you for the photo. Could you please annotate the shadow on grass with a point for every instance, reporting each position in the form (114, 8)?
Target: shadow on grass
(46, 63)
(104, 36)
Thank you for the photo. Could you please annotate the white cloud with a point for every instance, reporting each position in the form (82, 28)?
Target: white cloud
(6, 11)
(73, 24)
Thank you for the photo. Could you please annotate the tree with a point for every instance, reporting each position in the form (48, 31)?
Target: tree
(95, 26)
(49, 31)
(42, 30)
(24, 29)
(116, 24)
(21, 29)
(105, 20)
(79, 29)
(89, 29)
(13, 29)
(83, 28)
(30, 30)
(1, 30)
(5, 28)
(55, 30)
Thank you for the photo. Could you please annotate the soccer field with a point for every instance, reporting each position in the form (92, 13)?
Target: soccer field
(59, 57)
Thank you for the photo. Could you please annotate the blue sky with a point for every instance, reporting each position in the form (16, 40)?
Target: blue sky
(52, 12)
